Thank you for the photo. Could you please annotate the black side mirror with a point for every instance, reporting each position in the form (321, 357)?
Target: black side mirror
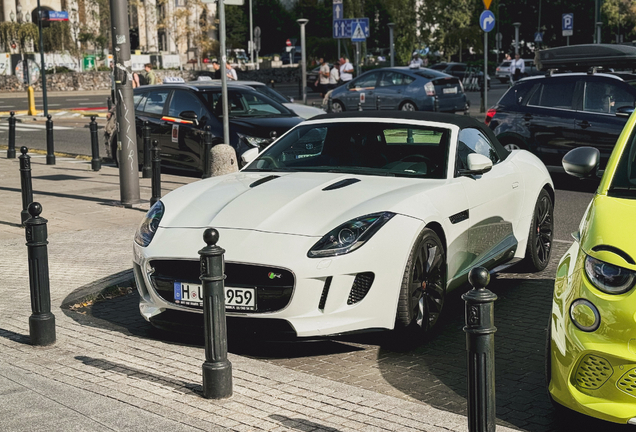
(582, 162)
(190, 115)
(624, 111)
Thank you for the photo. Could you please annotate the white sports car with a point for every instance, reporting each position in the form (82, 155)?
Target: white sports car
(349, 222)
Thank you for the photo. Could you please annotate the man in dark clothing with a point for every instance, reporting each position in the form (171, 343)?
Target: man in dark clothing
(217, 69)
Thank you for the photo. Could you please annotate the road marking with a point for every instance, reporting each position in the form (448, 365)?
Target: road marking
(91, 103)
(76, 99)
(32, 127)
(7, 106)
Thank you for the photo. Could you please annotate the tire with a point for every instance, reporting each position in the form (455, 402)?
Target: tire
(423, 285)
(541, 233)
(408, 106)
(513, 145)
(337, 106)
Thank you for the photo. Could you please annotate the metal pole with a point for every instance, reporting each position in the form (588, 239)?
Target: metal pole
(217, 369)
(517, 25)
(251, 37)
(11, 149)
(146, 171)
(45, 103)
(207, 148)
(41, 321)
(338, 49)
(50, 152)
(226, 111)
(485, 83)
(303, 22)
(25, 183)
(391, 25)
(480, 346)
(598, 31)
(126, 136)
(357, 58)
(96, 163)
(156, 173)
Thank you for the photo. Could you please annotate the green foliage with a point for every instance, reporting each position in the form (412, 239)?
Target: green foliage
(59, 69)
(405, 38)
(8, 33)
(447, 24)
(276, 23)
(58, 37)
(237, 26)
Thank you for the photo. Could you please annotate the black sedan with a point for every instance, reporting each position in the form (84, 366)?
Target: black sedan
(178, 115)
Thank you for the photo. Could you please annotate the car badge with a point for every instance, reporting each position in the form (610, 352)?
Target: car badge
(272, 275)
(309, 146)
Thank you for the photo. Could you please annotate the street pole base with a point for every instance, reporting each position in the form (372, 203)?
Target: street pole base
(146, 172)
(11, 153)
(50, 159)
(96, 164)
(217, 379)
(42, 329)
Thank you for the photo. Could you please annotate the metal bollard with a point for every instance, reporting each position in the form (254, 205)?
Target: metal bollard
(50, 152)
(11, 149)
(436, 104)
(217, 369)
(207, 148)
(329, 104)
(156, 173)
(41, 321)
(359, 106)
(25, 182)
(109, 103)
(146, 171)
(480, 345)
(96, 162)
(377, 103)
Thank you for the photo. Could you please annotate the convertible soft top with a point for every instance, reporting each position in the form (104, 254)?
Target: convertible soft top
(461, 121)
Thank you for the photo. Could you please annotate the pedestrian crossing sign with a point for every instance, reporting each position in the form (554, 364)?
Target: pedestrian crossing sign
(358, 34)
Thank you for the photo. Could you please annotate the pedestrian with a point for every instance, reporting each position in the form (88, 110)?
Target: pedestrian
(113, 88)
(517, 68)
(334, 76)
(217, 69)
(230, 72)
(323, 77)
(109, 131)
(416, 61)
(346, 70)
(151, 78)
(136, 80)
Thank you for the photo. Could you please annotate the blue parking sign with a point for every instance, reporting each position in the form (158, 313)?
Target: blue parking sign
(567, 24)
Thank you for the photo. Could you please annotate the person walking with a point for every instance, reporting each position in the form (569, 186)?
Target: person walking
(346, 70)
(230, 72)
(217, 69)
(517, 69)
(334, 76)
(323, 77)
(151, 77)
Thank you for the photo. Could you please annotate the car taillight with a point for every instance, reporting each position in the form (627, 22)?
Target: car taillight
(489, 115)
(429, 88)
(498, 69)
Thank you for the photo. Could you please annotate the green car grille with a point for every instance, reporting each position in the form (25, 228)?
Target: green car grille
(627, 383)
(593, 372)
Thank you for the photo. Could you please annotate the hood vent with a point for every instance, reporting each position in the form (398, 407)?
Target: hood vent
(263, 180)
(342, 183)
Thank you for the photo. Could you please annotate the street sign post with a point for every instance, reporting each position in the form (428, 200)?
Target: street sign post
(487, 21)
(357, 33)
(344, 28)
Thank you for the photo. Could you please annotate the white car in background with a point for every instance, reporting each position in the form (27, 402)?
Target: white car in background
(349, 222)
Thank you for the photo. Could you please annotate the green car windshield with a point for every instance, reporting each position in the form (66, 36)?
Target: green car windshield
(383, 149)
(624, 182)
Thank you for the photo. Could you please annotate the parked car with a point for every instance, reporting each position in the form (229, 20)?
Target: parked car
(461, 71)
(591, 338)
(400, 88)
(502, 73)
(178, 114)
(348, 222)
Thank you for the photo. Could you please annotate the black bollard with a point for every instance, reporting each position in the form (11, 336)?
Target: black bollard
(330, 104)
(50, 152)
(11, 149)
(217, 369)
(156, 173)
(377, 103)
(146, 171)
(109, 103)
(480, 345)
(207, 148)
(25, 182)
(96, 162)
(436, 104)
(359, 106)
(41, 321)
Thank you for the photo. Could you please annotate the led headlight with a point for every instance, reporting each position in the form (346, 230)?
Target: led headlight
(149, 224)
(349, 236)
(609, 278)
(585, 315)
(254, 141)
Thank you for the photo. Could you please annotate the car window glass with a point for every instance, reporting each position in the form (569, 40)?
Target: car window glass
(473, 140)
(518, 94)
(392, 79)
(554, 94)
(155, 101)
(139, 99)
(273, 94)
(183, 100)
(243, 104)
(605, 97)
(367, 81)
(624, 182)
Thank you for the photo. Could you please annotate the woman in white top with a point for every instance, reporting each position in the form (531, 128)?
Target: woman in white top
(334, 77)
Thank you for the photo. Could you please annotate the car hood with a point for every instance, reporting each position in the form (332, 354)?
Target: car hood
(263, 126)
(608, 229)
(304, 111)
(292, 203)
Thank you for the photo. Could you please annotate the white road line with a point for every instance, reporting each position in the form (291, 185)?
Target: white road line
(32, 128)
(7, 106)
(91, 103)
(53, 105)
(76, 99)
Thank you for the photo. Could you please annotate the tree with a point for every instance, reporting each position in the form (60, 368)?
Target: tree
(403, 14)
(448, 25)
(275, 22)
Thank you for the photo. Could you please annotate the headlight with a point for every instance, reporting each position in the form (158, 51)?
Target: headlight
(254, 141)
(349, 236)
(149, 225)
(609, 278)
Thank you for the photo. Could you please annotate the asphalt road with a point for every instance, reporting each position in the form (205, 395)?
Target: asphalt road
(56, 100)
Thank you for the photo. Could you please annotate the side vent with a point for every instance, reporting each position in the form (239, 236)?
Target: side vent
(361, 286)
(341, 184)
(325, 292)
(263, 180)
(458, 217)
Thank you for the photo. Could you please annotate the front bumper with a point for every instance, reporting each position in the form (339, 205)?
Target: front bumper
(328, 296)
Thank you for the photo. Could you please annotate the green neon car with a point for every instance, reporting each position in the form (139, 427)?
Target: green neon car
(591, 345)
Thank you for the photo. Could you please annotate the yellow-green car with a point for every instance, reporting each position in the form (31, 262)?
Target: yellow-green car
(591, 349)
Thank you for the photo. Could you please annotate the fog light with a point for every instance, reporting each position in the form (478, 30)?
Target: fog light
(584, 315)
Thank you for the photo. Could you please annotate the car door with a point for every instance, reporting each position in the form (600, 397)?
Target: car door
(361, 92)
(390, 90)
(596, 123)
(151, 109)
(549, 118)
(494, 202)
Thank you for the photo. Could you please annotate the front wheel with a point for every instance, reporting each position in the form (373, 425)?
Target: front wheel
(541, 233)
(408, 106)
(337, 106)
(510, 146)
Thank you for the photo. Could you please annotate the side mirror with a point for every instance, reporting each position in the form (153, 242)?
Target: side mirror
(249, 155)
(190, 115)
(477, 164)
(582, 162)
(624, 111)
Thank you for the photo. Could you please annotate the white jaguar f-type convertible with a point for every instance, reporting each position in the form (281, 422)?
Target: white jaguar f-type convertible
(349, 222)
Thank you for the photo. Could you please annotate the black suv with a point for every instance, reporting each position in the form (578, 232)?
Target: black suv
(550, 115)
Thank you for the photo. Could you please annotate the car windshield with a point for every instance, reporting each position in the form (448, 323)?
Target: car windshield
(273, 94)
(624, 182)
(384, 149)
(245, 104)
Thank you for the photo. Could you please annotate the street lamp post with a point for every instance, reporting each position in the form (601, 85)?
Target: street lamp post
(598, 31)
(45, 102)
(498, 37)
(517, 25)
(391, 25)
(303, 22)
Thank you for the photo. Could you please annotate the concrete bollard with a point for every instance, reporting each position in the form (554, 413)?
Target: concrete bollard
(50, 150)
(96, 162)
(205, 157)
(156, 173)
(146, 171)
(11, 149)
(223, 160)
(217, 369)
(41, 321)
(480, 346)
(25, 183)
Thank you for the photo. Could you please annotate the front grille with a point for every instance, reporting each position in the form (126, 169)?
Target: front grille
(325, 293)
(593, 372)
(360, 288)
(627, 383)
(272, 293)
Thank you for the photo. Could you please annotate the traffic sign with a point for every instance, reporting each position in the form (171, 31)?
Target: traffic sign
(357, 35)
(487, 21)
(538, 37)
(338, 9)
(487, 4)
(344, 28)
(34, 72)
(567, 24)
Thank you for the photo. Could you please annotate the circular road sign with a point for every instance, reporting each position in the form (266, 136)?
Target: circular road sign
(487, 21)
(34, 72)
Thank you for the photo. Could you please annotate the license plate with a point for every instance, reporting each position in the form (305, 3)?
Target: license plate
(449, 90)
(188, 294)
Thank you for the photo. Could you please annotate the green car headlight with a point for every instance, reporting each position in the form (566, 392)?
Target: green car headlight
(349, 236)
(609, 278)
(585, 315)
(149, 224)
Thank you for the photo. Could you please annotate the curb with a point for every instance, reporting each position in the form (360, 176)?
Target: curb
(99, 287)
(57, 154)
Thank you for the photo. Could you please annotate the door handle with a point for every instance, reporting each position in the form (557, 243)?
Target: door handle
(584, 124)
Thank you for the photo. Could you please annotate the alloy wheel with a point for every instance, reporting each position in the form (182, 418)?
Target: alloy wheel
(427, 285)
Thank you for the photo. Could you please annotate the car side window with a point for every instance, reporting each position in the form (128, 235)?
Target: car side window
(473, 140)
(155, 102)
(605, 97)
(367, 81)
(183, 100)
(392, 79)
(139, 99)
(554, 94)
